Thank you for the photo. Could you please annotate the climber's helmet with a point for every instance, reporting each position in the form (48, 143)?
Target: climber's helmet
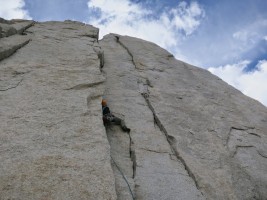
(104, 102)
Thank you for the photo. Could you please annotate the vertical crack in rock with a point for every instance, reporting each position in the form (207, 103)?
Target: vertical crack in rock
(132, 155)
(124, 177)
(100, 54)
(132, 151)
(170, 139)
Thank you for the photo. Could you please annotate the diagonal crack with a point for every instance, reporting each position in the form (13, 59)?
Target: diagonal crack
(85, 85)
(150, 150)
(255, 134)
(261, 154)
(170, 139)
(2, 90)
(22, 31)
(172, 142)
(10, 51)
(5, 53)
(126, 48)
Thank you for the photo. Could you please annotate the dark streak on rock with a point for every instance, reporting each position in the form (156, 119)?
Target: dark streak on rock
(261, 154)
(85, 85)
(242, 129)
(228, 137)
(150, 150)
(132, 155)
(255, 134)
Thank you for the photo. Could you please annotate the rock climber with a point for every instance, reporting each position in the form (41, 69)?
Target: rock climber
(108, 117)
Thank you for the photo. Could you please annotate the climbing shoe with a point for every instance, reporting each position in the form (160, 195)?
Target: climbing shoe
(125, 129)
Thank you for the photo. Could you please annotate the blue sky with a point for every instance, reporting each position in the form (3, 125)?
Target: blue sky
(227, 37)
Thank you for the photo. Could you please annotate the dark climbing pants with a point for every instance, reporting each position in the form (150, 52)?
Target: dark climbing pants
(118, 121)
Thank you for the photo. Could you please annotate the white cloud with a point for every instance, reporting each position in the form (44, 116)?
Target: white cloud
(243, 35)
(172, 27)
(126, 18)
(257, 28)
(13, 9)
(265, 38)
(253, 84)
(250, 35)
(186, 17)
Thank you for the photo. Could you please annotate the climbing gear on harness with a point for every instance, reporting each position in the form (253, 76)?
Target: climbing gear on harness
(109, 118)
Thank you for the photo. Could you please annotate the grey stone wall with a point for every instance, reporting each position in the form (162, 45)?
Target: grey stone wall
(192, 135)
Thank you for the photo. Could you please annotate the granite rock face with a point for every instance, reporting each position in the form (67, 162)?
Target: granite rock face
(53, 143)
(192, 135)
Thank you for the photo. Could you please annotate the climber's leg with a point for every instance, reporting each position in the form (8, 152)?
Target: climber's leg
(121, 122)
(116, 120)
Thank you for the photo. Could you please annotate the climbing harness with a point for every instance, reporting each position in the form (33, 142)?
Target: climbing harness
(123, 177)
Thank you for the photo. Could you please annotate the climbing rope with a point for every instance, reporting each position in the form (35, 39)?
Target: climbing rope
(123, 177)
